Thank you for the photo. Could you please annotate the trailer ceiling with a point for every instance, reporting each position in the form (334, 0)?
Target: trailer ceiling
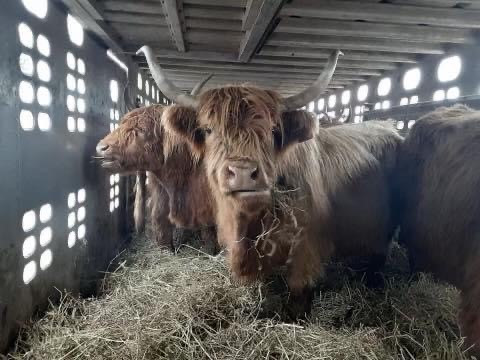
(286, 45)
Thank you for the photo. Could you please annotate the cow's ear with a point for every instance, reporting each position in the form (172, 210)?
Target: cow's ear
(182, 122)
(297, 126)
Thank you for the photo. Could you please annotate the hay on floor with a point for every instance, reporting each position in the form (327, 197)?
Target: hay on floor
(160, 306)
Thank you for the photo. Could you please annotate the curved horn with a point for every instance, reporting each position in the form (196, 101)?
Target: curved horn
(127, 99)
(166, 86)
(196, 90)
(314, 91)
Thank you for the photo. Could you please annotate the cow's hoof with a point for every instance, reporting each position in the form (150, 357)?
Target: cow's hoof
(299, 305)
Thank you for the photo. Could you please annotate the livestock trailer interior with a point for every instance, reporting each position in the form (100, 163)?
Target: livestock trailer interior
(67, 68)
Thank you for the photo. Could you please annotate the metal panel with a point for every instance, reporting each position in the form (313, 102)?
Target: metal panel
(44, 167)
(467, 82)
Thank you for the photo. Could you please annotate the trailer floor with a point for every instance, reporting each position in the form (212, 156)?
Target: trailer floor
(161, 306)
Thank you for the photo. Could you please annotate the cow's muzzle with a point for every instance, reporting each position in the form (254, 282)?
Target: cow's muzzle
(243, 178)
(105, 155)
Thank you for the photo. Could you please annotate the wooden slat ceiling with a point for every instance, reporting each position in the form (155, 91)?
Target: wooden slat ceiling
(284, 44)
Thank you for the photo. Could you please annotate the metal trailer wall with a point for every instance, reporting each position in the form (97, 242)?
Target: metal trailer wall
(48, 171)
(50, 165)
(468, 82)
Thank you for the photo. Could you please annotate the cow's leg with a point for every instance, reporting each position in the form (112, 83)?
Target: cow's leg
(242, 256)
(139, 210)
(182, 236)
(209, 240)
(299, 303)
(162, 228)
(244, 261)
(305, 267)
(375, 266)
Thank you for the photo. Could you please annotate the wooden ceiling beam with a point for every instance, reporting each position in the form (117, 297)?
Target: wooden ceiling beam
(286, 74)
(324, 27)
(173, 19)
(131, 6)
(264, 68)
(190, 55)
(142, 33)
(269, 65)
(251, 11)
(209, 37)
(350, 43)
(383, 13)
(139, 19)
(303, 62)
(469, 4)
(256, 33)
(223, 3)
(213, 24)
(196, 76)
(225, 13)
(294, 52)
(276, 84)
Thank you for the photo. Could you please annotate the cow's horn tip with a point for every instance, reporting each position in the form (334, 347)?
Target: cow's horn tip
(140, 51)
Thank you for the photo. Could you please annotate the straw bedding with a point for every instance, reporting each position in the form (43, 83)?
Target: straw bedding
(156, 305)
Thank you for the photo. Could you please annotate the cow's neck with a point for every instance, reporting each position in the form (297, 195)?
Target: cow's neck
(237, 232)
(256, 241)
(191, 204)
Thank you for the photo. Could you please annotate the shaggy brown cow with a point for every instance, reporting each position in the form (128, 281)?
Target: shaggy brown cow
(140, 188)
(439, 172)
(178, 182)
(250, 140)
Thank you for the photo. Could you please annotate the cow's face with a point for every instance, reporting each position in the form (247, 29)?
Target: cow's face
(136, 144)
(241, 132)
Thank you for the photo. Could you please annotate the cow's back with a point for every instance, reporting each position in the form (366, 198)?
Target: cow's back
(345, 171)
(439, 172)
(362, 213)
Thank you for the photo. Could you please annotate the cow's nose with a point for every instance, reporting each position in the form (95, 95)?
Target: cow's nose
(242, 176)
(242, 173)
(101, 148)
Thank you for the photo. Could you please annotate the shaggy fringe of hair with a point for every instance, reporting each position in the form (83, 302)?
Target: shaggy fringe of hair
(237, 103)
(146, 119)
(172, 140)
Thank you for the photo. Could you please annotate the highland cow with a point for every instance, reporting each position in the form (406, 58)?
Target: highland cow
(140, 144)
(439, 190)
(286, 192)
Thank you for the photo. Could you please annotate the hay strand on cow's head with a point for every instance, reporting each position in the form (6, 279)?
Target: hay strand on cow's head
(161, 306)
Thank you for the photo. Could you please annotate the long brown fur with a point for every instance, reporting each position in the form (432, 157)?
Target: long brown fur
(439, 187)
(140, 202)
(336, 184)
(177, 182)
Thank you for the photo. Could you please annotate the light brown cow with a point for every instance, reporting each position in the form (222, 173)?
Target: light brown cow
(439, 173)
(177, 180)
(281, 199)
(141, 191)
